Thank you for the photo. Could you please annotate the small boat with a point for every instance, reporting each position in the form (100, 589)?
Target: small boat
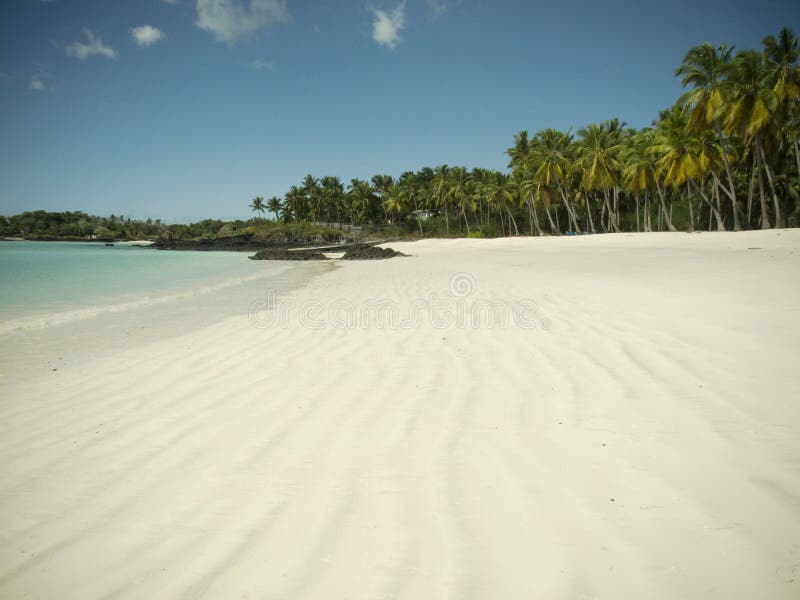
(109, 243)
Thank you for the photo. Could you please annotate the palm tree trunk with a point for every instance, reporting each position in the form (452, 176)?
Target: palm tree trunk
(607, 203)
(797, 155)
(464, 213)
(533, 215)
(691, 213)
(648, 224)
(750, 194)
(513, 220)
(589, 213)
(603, 222)
(732, 192)
(737, 223)
(572, 217)
(553, 229)
(636, 200)
(714, 211)
(770, 178)
(764, 213)
(667, 220)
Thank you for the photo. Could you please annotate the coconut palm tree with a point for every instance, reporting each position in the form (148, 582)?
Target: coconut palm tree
(597, 162)
(275, 206)
(518, 153)
(682, 158)
(706, 68)
(551, 162)
(257, 205)
(395, 201)
(441, 185)
(360, 199)
(639, 172)
(500, 191)
(752, 109)
(458, 191)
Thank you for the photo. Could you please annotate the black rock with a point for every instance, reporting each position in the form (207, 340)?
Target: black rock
(282, 254)
(369, 252)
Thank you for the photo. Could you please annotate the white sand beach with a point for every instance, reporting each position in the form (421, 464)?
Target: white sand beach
(637, 436)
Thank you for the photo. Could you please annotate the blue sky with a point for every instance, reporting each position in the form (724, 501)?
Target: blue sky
(187, 109)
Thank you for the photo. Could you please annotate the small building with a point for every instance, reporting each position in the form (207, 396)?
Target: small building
(425, 214)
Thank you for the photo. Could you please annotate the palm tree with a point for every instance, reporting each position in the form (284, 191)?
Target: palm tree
(782, 55)
(382, 183)
(550, 161)
(639, 172)
(361, 197)
(458, 191)
(706, 69)
(310, 190)
(441, 183)
(752, 109)
(682, 158)
(500, 191)
(784, 73)
(257, 205)
(275, 206)
(598, 164)
(395, 200)
(518, 153)
(296, 206)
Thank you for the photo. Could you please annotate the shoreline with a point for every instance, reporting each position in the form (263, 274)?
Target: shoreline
(38, 343)
(640, 440)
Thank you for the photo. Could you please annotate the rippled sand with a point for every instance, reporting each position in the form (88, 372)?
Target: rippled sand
(635, 436)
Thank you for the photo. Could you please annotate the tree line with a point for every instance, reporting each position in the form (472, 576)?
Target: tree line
(724, 156)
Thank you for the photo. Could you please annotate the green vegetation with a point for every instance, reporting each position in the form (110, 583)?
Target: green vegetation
(726, 155)
(80, 226)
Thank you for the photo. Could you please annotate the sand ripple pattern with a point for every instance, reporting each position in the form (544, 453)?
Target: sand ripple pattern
(646, 446)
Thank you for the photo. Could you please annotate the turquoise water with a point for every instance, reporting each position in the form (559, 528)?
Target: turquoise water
(65, 303)
(48, 283)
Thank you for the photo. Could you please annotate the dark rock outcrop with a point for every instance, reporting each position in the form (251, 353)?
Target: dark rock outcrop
(244, 242)
(283, 254)
(369, 252)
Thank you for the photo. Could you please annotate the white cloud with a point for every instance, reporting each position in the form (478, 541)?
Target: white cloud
(260, 64)
(231, 20)
(170, 1)
(147, 35)
(386, 27)
(437, 7)
(93, 47)
(37, 83)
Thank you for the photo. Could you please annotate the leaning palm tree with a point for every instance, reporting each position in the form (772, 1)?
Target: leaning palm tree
(683, 159)
(782, 55)
(752, 110)
(706, 68)
(257, 205)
